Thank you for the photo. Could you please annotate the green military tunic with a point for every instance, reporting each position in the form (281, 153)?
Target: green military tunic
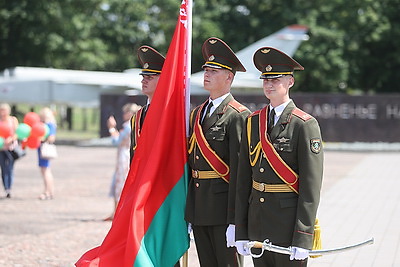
(207, 200)
(284, 217)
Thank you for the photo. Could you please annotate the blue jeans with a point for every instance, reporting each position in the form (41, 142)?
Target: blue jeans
(7, 169)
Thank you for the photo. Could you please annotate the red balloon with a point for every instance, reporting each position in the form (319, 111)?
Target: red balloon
(38, 130)
(5, 130)
(33, 142)
(31, 118)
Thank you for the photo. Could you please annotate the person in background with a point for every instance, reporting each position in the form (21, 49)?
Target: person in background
(215, 132)
(122, 140)
(47, 117)
(152, 62)
(6, 159)
(280, 169)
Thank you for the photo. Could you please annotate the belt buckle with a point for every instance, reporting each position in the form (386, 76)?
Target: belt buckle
(262, 187)
(195, 174)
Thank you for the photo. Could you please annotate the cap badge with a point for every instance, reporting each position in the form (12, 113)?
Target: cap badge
(265, 51)
(211, 58)
(213, 41)
(268, 68)
(144, 49)
(146, 65)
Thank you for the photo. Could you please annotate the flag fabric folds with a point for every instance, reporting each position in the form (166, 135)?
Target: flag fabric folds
(149, 227)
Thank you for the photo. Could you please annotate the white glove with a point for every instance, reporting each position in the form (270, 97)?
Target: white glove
(299, 253)
(190, 231)
(230, 236)
(241, 247)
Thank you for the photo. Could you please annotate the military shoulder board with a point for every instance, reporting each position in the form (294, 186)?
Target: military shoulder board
(301, 114)
(237, 106)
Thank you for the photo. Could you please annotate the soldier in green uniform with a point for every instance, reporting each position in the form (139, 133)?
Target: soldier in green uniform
(280, 168)
(152, 62)
(215, 133)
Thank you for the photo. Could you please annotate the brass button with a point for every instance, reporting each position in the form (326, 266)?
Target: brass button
(261, 169)
(197, 184)
(262, 199)
(197, 157)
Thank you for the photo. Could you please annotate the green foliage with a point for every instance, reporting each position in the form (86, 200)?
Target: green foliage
(352, 47)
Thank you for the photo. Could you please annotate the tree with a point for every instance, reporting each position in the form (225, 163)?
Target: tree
(352, 47)
(376, 53)
(48, 34)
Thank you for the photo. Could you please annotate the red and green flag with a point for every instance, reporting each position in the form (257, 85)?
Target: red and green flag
(149, 227)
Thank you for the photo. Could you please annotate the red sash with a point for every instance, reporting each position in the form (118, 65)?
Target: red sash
(216, 163)
(278, 165)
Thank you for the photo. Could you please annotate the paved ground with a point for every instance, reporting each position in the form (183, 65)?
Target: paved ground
(360, 200)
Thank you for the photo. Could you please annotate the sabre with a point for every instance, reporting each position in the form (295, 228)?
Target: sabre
(266, 245)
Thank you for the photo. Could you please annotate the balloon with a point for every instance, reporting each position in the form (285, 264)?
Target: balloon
(1, 142)
(31, 118)
(23, 131)
(5, 130)
(38, 130)
(33, 142)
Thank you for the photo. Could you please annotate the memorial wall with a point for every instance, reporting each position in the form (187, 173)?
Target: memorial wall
(342, 118)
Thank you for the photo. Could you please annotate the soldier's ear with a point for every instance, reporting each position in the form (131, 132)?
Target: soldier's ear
(291, 81)
(230, 76)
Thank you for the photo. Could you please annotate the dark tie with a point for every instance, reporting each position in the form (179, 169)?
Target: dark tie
(271, 119)
(207, 112)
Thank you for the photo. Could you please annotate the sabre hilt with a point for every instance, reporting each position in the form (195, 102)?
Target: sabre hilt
(256, 244)
(266, 245)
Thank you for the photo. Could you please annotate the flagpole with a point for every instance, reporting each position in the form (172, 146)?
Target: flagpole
(188, 60)
(185, 258)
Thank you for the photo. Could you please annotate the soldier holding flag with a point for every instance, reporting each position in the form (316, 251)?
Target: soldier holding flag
(149, 227)
(152, 62)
